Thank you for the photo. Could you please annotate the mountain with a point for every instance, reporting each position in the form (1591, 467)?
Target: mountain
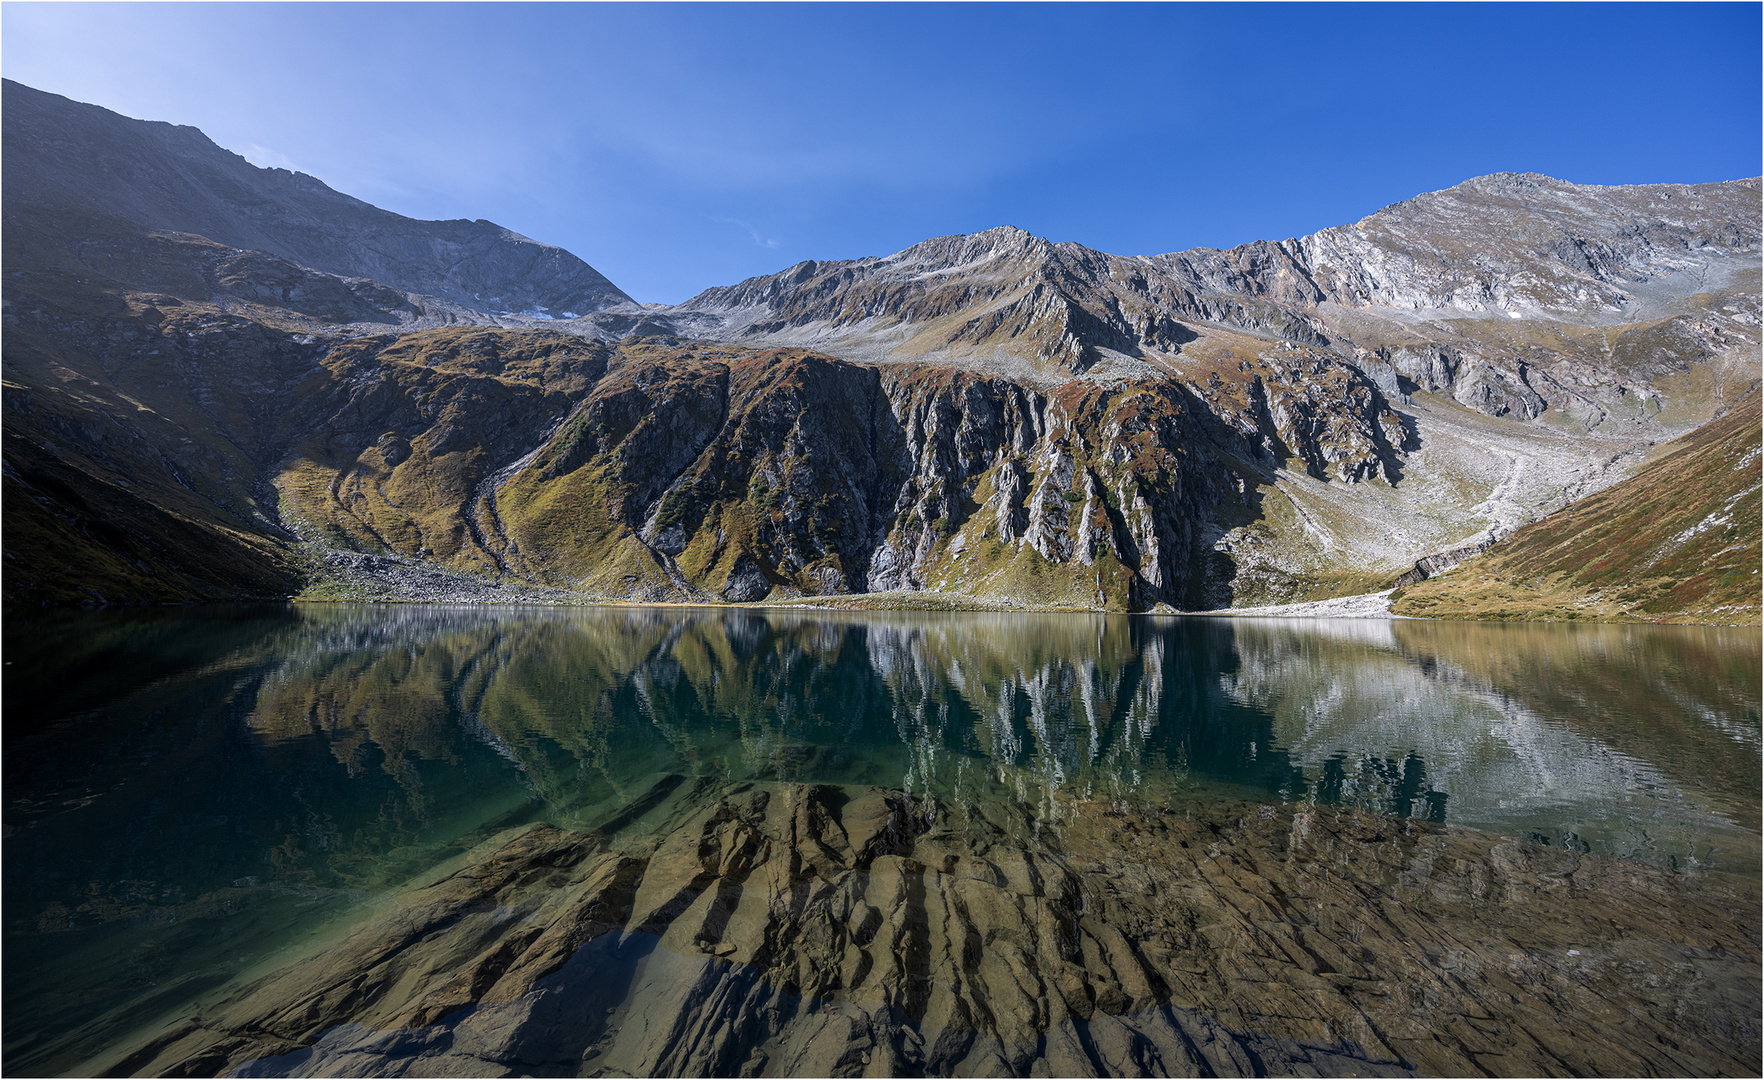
(63, 157)
(1606, 319)
(1511, 293)
(222, 380)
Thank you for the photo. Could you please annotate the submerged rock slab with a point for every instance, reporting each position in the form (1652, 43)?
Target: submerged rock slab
(692, 1015)
(802, 930)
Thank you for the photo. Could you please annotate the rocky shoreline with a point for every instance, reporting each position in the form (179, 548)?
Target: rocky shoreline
(395, 579)
(392, 579)
(787, 929)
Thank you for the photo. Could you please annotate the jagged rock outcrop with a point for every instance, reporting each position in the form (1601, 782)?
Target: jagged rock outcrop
(771, 480)
(1442, 561)
(844, 932)
(1002, 291)
(721, 471)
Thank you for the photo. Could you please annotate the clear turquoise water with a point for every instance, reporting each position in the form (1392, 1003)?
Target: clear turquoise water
(189, 791)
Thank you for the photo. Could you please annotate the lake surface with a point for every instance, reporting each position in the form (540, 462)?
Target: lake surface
(191, 793)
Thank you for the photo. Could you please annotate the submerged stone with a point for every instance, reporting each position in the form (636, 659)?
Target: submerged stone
(791, 929)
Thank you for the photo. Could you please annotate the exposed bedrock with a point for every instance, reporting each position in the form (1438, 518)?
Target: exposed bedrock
(796, 930)
(1439, 562)
(740, 472)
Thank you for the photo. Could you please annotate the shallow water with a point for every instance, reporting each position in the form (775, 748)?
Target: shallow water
(188, 792)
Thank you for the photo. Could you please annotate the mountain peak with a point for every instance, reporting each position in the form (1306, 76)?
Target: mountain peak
(1005, 244)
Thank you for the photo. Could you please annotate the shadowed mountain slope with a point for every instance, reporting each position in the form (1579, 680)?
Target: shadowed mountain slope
(60, 153)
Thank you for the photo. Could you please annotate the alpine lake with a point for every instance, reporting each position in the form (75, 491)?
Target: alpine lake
(480, 841)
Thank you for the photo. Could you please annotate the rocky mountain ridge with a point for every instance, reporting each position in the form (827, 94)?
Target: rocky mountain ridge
(1400, 292)
(993, 416)
(62, 154)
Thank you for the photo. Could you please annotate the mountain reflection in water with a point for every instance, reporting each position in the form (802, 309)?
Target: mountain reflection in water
(186, 790)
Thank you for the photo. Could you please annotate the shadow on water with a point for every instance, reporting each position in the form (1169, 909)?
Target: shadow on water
(189, 790)
(63, 663)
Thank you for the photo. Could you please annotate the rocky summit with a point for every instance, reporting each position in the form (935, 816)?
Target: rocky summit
(223, 381)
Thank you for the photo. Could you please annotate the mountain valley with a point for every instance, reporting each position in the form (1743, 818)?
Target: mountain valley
(225, 382)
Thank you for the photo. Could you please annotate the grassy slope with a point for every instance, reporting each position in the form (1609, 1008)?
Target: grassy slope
(1677, 542)
(73, 537)
(407, 427)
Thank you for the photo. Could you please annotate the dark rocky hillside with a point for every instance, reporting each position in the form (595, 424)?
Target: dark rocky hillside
(62, 156)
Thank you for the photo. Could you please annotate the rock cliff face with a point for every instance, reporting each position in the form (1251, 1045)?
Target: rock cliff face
(993, 415)
(697, 472)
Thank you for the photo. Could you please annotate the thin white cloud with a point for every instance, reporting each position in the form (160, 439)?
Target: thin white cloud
(758, 238)
(265, 158)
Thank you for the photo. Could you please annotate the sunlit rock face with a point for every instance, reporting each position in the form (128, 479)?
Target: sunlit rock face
(1516, 247)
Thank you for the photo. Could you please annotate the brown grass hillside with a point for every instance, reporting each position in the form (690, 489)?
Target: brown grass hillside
(1677, 542)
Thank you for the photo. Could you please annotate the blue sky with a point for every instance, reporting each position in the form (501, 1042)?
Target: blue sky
(680, 147)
